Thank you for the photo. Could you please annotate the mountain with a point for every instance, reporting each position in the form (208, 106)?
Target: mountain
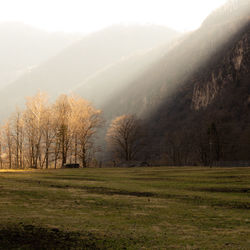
(78, 62)
(197, 92)
(108, 82)
(23, 47)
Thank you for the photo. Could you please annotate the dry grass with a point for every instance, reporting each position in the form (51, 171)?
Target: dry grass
(135, 208)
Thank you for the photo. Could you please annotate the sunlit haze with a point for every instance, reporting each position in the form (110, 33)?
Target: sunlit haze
(91, 15)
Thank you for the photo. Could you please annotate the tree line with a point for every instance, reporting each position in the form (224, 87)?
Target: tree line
(44, 135)
(51, 135)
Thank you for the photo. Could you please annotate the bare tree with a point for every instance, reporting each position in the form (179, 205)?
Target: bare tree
(85, 122)
(8, 142)
(33, 119)
(1, 148)
(48, 133)
(179, 147)
(124, 137)
(63, 112)
(45, 133)
(18, 137)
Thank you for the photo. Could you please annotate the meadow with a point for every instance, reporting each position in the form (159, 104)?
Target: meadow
(128, 208)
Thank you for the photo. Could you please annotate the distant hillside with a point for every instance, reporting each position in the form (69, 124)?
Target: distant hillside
(113, 79)
(75, 64)
(203, 80)
(23, 47)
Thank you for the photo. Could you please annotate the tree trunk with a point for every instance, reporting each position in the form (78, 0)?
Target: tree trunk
(84, 163)
(76, 149)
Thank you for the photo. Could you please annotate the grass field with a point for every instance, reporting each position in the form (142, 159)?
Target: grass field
(134, 208)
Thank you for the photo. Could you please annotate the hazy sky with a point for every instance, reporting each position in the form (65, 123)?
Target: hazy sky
(91, 15)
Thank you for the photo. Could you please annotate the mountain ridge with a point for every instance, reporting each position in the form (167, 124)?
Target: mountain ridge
(71, 66)
(23, 47)
(182, 94)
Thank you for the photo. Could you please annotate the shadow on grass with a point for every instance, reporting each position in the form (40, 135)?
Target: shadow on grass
(32, 237)
(188, 198)
(222, 190)
(73, 178)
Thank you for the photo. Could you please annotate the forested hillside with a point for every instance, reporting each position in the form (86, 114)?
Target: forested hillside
(195, 100)
(186, 97)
